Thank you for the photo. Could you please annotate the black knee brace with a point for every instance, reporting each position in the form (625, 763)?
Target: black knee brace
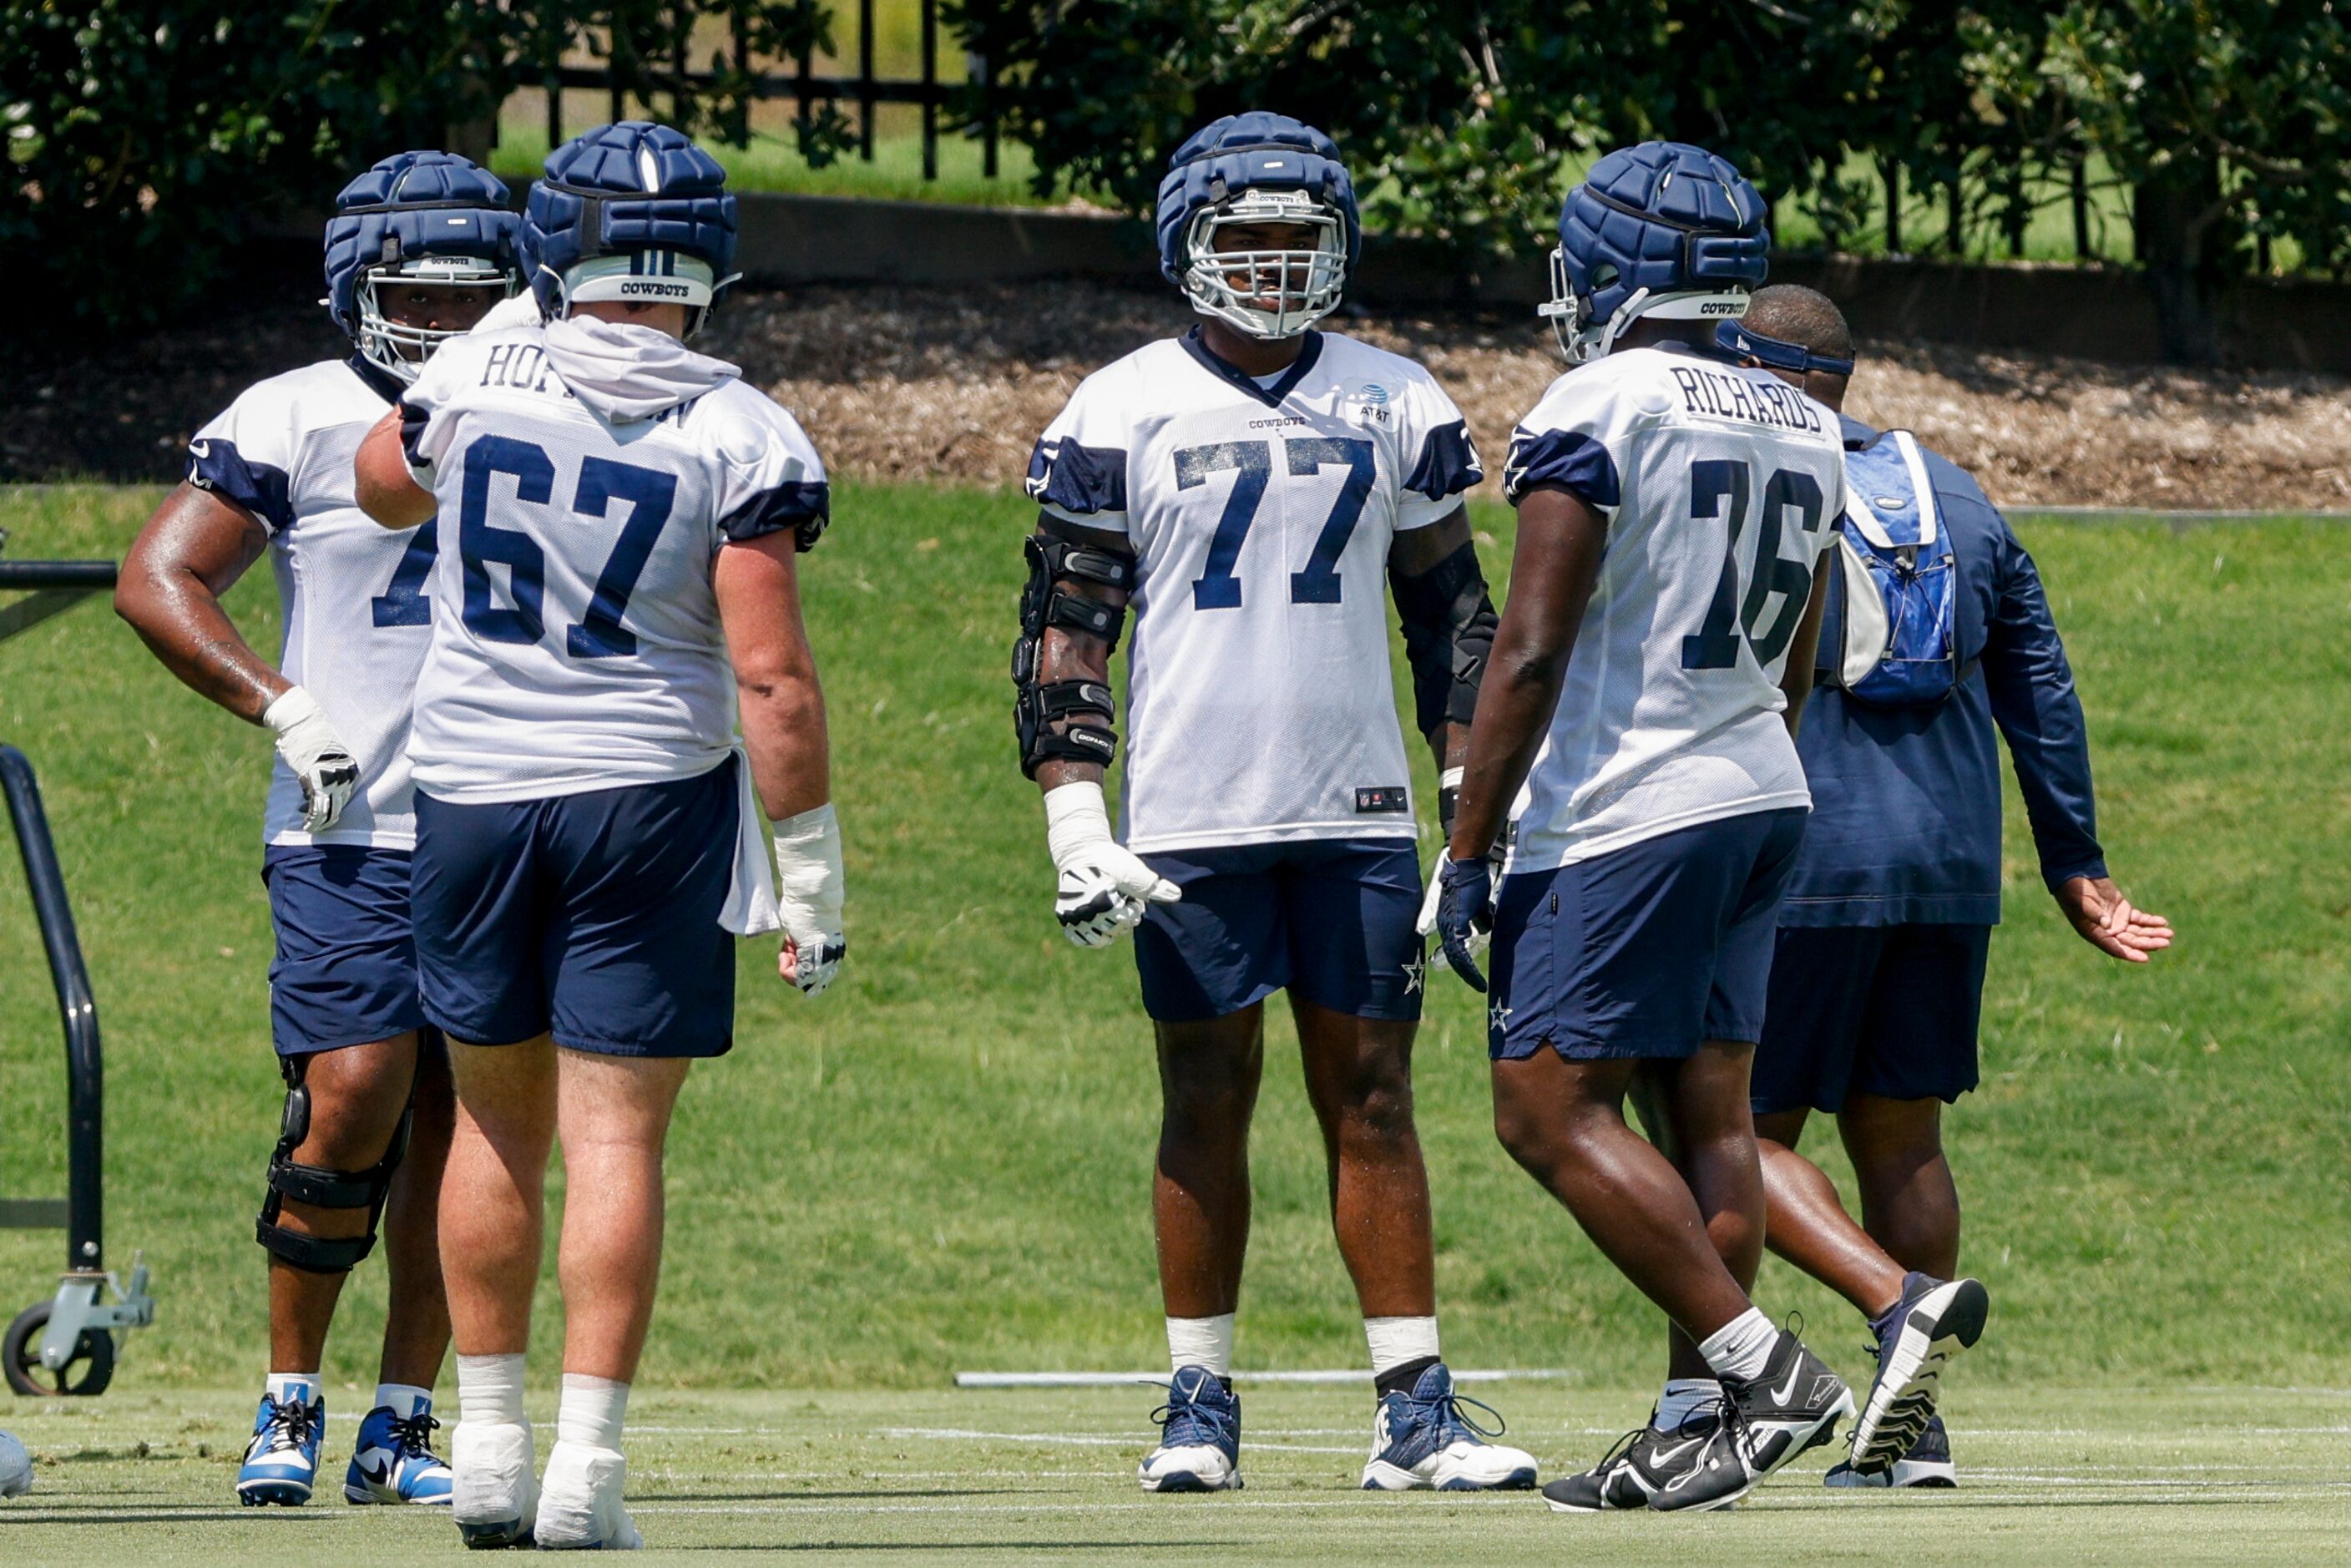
(321, 1188)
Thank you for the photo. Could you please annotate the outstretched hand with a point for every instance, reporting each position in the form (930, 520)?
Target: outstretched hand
(2111, 923)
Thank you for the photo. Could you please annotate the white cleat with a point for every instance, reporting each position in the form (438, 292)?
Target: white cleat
(1199, 1436)
(580, 1506)
(1192, 1468)
(492, 1494)
(1422, 1440)
(1463, 1467)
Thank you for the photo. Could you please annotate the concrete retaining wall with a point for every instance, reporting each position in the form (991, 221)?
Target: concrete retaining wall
(2088, 313)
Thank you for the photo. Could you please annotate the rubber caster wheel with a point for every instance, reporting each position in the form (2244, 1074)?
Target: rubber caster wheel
(90, 1371)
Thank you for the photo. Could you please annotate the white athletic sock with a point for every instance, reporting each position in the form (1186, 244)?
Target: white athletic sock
(1395, 1341)
(591, 1411)
(1683, 1397)
(405, 1398)
(281, 1386)
(1201, 1342)
(489, 1389)
(1742, 1347)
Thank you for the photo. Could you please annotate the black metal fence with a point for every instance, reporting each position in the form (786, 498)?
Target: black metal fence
(687, 88)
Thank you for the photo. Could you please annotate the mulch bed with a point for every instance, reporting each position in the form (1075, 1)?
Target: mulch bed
(954, 384)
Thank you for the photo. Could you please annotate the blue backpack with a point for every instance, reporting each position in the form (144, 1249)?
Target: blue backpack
(1899, 642)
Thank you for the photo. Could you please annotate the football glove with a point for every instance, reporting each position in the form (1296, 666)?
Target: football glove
(322, 764)
(1103, 889)
(809, 888)
(1459, 911)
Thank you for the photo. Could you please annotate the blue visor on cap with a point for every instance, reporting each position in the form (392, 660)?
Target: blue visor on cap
(1741, 343)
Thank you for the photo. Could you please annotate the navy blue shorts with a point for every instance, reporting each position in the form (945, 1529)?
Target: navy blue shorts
(1330, 919)
(345, 968)
(1889, 1010)
(594, 916)
(1647, 953)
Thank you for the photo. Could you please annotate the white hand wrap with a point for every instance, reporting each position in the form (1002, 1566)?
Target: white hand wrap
(808, 889)
(1101, 889)
(322, 764)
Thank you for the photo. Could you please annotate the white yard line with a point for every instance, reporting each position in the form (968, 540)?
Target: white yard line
(959, 1434)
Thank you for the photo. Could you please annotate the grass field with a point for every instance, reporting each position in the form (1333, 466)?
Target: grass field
(944, 1163)
(2195, 1476)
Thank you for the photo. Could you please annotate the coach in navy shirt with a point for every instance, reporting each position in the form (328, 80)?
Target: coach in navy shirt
(1878, 976)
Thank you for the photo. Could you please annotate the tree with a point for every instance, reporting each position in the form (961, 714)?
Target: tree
(148, 137)
(1459, 118)
(2231, 119)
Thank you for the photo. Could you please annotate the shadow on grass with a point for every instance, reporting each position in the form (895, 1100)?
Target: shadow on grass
(659, 1498)
(108, 1518)
(937, 1548)
(2252, 1497)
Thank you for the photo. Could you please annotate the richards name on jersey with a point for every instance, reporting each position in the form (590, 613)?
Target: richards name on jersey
(1729, 395)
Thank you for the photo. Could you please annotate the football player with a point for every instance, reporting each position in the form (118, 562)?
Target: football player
(1649, 670)
(420, 246)
(625, 519)
(1878, 968)
(1241, 491)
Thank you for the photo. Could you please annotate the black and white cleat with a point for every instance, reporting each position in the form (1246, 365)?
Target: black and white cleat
(1639, 1468)
(1793, 1406)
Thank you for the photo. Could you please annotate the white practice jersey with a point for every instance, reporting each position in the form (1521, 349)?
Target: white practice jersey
(576, 638)
(1720, 487)
(1260, 702)
(352, 592)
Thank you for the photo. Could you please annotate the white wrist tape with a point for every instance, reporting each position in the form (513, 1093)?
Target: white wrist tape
(809, 876)
(303, 730)
(1076, 820)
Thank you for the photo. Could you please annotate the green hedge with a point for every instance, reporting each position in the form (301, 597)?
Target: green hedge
(2229, 121)
(147, 138)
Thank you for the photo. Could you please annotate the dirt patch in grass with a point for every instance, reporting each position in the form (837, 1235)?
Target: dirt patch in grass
(902, 383)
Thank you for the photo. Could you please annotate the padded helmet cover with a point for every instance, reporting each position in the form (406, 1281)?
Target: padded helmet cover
(629, 186)
(1663, 217)
(408, 207)
(1256, 151)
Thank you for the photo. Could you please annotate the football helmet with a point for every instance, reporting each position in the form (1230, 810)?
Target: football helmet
(629, 211)
(1250, 169)
(1662, 229)
(428, 220)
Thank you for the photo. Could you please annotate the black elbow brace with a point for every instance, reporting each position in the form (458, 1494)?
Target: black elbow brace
(1084, 709)
(1449, 633)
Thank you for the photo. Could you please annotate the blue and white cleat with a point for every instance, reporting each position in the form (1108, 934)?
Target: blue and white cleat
(1927, 1464)
(393, 1461)
(1199, 1436)
(281, 1463)
(1935, 1322)
(1424, 1439)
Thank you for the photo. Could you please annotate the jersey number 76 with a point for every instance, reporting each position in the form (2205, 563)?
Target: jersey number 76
(1737, 609)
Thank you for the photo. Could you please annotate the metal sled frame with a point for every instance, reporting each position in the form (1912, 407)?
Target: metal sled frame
(77, 1309)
